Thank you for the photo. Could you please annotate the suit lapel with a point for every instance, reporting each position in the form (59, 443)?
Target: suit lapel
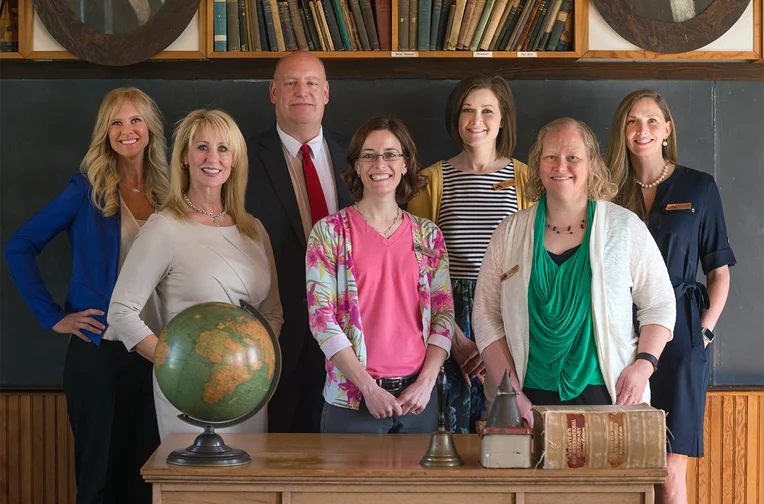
(339, 165)
(272, 156)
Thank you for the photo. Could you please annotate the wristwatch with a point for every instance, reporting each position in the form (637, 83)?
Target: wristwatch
(707, 334)
(650, 358)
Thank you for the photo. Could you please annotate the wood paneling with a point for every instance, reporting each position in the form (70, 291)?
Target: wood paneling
(732, 471)
(37, 449)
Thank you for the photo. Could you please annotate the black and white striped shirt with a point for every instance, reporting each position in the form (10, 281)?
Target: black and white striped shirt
(470, 210)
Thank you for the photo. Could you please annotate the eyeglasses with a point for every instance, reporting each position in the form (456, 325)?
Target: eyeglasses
(389, 156)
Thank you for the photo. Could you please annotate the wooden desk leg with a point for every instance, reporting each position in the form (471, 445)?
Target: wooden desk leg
(520, 498)
(650, 495)
(156, 493)
(286, 497)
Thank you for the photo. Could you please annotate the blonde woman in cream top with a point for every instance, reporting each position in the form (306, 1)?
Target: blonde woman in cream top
(202, 247)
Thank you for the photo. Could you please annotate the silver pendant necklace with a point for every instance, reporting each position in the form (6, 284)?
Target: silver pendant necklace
(398, 216)
(214, 217)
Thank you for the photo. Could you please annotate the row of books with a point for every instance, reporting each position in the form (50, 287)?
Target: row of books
(310, 25)
(485, 25)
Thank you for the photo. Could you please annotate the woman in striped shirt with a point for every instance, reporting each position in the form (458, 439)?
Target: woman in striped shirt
(467, 196)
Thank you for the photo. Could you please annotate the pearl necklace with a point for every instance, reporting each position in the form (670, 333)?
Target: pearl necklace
(398, 216)
(215, 217)
(660, 179)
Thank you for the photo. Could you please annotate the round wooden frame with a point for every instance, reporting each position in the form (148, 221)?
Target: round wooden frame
(669, 38)
(160, 31)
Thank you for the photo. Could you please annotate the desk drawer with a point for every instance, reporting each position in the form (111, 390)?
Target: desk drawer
(401, 498)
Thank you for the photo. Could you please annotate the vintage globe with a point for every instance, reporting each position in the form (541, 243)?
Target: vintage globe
(218, 363)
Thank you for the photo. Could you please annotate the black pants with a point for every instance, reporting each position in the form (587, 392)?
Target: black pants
(298, 402)
(111, 410)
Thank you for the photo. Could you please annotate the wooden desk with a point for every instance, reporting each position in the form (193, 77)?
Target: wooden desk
(361, 469)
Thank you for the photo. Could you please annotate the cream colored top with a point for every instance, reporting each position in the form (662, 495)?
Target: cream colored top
(323, 163)
(627, 270)
(130, 226)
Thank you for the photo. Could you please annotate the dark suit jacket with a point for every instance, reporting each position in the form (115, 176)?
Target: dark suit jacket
(95, 243)
(271, 198)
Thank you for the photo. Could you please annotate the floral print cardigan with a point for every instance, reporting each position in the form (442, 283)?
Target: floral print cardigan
(334, 313)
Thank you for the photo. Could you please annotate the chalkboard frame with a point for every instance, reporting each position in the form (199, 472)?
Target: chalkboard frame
(88, 44)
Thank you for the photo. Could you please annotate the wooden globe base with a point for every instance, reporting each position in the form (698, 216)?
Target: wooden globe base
(209, 449)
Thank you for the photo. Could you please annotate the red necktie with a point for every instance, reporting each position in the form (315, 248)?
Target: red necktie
(318, 209)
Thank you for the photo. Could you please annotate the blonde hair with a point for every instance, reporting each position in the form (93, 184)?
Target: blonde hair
(100, 162)
(233, 189)
(599, 184)
(617, 154)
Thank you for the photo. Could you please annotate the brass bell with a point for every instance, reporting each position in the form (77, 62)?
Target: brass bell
(442, 450)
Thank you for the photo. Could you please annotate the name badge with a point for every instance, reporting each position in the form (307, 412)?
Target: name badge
(498, 186)
(509, 274)
(424, 250)
(680, 206)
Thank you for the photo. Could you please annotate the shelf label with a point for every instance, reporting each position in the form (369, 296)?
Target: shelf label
(526, 54)
(482, 54)
(404, 54)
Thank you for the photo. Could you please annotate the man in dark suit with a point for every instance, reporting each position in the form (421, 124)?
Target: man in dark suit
(294, 181)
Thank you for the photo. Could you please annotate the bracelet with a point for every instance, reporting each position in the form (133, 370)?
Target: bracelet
(650, 358)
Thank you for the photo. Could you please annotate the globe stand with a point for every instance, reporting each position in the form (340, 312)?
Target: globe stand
(209, 449)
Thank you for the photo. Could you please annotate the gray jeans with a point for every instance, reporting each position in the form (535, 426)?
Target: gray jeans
(336, 420)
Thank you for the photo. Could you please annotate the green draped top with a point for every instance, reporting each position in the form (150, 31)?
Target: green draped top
(562, 353)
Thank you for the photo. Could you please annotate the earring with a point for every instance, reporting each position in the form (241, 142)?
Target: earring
(665, 143)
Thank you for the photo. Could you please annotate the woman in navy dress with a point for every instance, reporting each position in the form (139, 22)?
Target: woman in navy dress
(683, 210)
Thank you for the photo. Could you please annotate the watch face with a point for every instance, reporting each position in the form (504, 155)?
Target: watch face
(708, 334)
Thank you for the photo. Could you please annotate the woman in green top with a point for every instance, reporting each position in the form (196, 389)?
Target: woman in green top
(554, 296)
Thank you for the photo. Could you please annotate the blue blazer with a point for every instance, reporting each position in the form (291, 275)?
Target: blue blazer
(95, 243)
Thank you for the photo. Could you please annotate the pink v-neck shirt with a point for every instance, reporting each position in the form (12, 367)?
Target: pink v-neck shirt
(387, 275)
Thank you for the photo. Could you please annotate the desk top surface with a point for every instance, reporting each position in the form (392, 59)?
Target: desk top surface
(345, 457)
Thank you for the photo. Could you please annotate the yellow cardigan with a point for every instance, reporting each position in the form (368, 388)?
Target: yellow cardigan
(427, 203)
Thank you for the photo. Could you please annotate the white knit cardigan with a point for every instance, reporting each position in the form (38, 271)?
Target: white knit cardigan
(627, 268)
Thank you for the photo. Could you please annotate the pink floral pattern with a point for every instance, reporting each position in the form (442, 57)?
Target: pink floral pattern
(334, 312)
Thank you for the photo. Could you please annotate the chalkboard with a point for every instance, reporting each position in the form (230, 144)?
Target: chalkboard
(45, 128)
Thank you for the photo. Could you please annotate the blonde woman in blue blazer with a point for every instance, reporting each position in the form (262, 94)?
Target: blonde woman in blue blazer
(124, 177)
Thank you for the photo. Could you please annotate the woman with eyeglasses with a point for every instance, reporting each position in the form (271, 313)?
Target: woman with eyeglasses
(467, 196)
(379, 293)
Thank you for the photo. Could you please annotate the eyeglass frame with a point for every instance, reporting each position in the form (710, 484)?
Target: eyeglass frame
(377, 156)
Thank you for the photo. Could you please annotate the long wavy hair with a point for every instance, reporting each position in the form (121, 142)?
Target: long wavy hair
(617, 154)
(232, 193)
(599, 184)
(100, 163)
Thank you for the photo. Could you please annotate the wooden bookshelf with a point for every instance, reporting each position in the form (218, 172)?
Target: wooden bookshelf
(580, 34)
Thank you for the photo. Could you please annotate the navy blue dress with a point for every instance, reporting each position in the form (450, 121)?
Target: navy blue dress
(687, 222)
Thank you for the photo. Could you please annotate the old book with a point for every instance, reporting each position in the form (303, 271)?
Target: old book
(219, 25)
(299, 33)
(480, 30)
(270, 30)
(493, 23)
(330, 16)
(243, 25)
(566, 37)
(264, 43)
(290, 42)
(232, 25)
(323, 36)
(355, 39)
(413, 23)
(559, 23)
(277, 30)
(343, 23)
(424, 20)
(370, 24)
(360, 24)
(403, 25)
(551, 15)
(526, 28)
(437, 7)
(599, 437)
(308, 26)
(383, 10)
(509, 27)
(456, 24)
(253, 29)
(520, 25)
(470, 15)
(538, 20)
(449, 26)
(443, 24)
(502, 28)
